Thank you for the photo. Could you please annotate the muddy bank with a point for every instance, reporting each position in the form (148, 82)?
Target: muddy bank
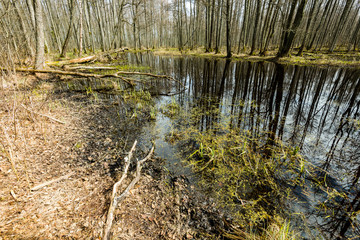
(48, 133)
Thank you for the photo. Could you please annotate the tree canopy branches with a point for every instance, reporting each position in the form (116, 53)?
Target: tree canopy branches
(242, 26)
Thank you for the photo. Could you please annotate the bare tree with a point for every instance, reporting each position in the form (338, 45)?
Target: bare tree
(39, 26)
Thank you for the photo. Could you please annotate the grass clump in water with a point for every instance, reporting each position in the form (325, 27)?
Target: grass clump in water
(251, 176)
(140, 105)
(247, 175)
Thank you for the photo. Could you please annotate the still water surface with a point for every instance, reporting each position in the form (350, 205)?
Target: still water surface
(314, 108)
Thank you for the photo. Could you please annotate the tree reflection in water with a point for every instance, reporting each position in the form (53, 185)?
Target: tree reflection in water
(314, 108)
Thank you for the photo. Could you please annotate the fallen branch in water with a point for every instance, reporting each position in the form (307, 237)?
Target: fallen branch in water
(91, 68)
(115, 200)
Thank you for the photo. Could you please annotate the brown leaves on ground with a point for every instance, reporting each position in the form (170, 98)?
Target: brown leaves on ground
(34, 149)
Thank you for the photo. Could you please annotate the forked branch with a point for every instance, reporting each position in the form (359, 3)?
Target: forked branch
(116, 199)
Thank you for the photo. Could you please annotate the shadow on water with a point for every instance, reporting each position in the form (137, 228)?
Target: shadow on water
(316, 109)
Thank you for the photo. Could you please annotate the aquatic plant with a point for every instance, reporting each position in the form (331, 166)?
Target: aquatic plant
(251, 177)
(139, 105)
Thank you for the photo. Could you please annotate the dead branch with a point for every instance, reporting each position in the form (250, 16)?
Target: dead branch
(151, 75)
(120, 72)
(92, 68)
(115, 200)
(43, 115)
(87, 75)
(87, 59)
(74, 61)
(144, 74)
(126, 168)
(82, 60)
(50, 182)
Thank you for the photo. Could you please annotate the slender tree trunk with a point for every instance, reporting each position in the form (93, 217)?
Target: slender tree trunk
(80, 28)
(209, 48)
(219, 24)
(257, 18)
(290, 33)
(309, 21)
(68, 35)
(355, 35)
(39, 26)
(228, 37)
(342, 22)
(29, 49)
(30, 5)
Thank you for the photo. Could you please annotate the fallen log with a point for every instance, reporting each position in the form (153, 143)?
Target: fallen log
(115, 200)
(87, 75)
(91, 68)
(82, 60)
(145, 74)
(74, 61)
(88, 58)
(119, 72)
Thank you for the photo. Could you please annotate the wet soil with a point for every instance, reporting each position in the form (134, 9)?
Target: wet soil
(89, 141)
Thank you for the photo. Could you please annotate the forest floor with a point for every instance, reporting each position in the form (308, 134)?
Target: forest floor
(320, 58)
(46, 134)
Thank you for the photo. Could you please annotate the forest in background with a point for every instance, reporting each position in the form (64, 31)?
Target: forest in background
(51, 123)
(239, 26)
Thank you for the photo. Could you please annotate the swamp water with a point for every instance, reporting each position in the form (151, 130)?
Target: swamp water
(313, 109)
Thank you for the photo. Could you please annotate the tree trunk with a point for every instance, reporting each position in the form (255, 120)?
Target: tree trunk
(290, 32)
(341, 24)
(311, 15)
(67, 38)
(257, 17)
(209, 48)
(80, 28)
(29, 49)
(39, 36)
(228, 39)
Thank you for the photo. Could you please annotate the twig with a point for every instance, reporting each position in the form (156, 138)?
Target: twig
(126, 168)
(9, 153)
(115, 200)
(50, 182)
(14, 195)
(43, 115)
